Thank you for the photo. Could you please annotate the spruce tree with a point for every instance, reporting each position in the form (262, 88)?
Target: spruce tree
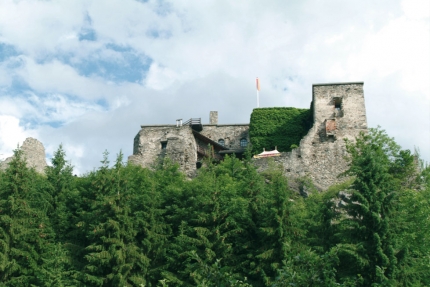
(112, 256)
(210, 214)
(123, 226)
(411, 225)
(25, 231)
(279, 233)
(63, 193)
(368, 242)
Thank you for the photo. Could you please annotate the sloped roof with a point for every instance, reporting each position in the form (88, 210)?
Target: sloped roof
(265, 153)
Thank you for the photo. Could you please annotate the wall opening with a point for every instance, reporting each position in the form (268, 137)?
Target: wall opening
(163, 145)
(243, 142)
(338, 112)
(221, 142)
(337, 103)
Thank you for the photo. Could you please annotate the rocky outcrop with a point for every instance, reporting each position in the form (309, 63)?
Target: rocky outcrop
(34, 153)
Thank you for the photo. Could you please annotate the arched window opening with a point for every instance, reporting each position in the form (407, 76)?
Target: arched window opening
(221, 142)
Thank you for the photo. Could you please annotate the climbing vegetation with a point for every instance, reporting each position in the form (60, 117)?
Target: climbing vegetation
(278, 127)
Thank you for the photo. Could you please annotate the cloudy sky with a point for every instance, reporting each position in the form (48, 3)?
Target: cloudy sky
(87, 74)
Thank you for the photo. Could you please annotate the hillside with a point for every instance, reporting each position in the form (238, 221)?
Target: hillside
(124, 225)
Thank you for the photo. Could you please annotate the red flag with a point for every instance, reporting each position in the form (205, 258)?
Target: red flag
(258, 84)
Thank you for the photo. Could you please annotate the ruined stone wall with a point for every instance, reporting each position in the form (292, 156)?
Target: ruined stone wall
(180, 144)
(320, 155)
(339, 113)
(34, 153)
(153, 143)
(231, 134)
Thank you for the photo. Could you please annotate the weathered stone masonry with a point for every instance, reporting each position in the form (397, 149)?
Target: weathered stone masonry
(338, 111)
(186, 144)
(34, 154)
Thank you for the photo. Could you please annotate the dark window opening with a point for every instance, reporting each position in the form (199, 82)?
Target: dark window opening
(198, 164)
(338, 103)
(163, 145)
(243, 143)
(221, 142)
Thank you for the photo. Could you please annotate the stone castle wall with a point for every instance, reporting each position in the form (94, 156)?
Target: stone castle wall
(231, 134)
(153, 143)
(339, 113)
(177, 142)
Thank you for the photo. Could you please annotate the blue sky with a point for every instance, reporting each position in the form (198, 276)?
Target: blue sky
(87, 73)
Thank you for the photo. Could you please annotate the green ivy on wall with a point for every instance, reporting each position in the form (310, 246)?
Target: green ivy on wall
(278, 127)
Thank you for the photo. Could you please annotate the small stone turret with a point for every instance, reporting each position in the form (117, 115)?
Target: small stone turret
(213, 118)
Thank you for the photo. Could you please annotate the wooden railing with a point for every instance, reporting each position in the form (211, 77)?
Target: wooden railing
(193, 121)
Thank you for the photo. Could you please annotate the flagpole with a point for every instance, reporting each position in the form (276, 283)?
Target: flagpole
(257, 82)
(258, 98)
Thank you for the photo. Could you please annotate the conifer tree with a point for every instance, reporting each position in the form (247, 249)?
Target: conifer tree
(65, 201)
(411, 225)
(123, 227)
(210, 214)
(112, 256)
(279, 232)
(369, 244)
(25, 230)
(63, 193)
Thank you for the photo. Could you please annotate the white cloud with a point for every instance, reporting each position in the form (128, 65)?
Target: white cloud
(416, 9)
(38, 27)
(12, 134)
(205, 56)
(160, 78)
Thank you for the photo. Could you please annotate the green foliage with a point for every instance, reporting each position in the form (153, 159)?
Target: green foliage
(124, 225)
(61, 186)
(306, 268)
(380, 170)
(210, 215)
(411, 226)
(25, 230)
(278, 127)
(214, 275)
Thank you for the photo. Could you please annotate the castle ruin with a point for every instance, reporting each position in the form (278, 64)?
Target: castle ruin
(338, 113)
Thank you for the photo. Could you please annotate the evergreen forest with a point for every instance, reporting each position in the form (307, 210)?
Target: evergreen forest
(123, 225)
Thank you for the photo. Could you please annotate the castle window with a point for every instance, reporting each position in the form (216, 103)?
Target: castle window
(221, 142)
(243, 142)
(164, 145)
(337, 103)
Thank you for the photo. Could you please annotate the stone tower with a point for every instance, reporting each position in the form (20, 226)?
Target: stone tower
(339, 113)
(339, 110)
